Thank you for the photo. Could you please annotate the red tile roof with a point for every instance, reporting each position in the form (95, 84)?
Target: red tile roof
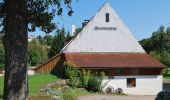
(113, 60)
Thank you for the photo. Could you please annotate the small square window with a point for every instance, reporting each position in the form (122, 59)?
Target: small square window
(131, 82)
(107, 17)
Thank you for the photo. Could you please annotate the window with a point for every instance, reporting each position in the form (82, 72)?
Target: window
(107, 17)
(131, 82)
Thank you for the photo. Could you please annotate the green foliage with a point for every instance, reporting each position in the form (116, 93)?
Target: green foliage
(57, 43)
(78, 30)
(37, 53)
(2, 56)
(39, 15)
(74, 82)
(94, 83)
(166, 72)
(40, 40)
(34, 56)
(73, 93)
(156, 55)
(2, 53)
(70, 70)
(84, 77)
(72, 73)
(0, 38)
(158, 45)
(1, 86)
(36, 82)
(48, 39)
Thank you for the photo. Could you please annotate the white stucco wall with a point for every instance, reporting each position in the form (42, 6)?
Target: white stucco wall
(92, 40)
(145, 85)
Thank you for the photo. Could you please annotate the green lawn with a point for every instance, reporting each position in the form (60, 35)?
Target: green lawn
(1, 86)
(35, 83)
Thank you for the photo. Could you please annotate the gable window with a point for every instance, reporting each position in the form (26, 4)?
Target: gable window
(131, 82)
(107, 17)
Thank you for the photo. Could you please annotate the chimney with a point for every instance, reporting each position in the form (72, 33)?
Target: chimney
(85, 22)
(73, 30)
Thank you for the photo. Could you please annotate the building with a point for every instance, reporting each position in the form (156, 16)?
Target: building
(106, 44)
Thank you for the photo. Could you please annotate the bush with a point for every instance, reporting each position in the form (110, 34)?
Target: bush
(70, 70)
(163, 95)
(72, 73)
(84, 78)
(74, 82)
(94, 83)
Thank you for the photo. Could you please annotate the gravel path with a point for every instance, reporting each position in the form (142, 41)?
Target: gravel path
(108, 97)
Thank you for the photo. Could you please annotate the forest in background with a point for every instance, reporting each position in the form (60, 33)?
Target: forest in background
(158, 45)
(40, 48)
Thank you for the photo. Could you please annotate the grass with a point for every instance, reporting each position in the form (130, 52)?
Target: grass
(72, 94)
(1, 86)
(35, 83)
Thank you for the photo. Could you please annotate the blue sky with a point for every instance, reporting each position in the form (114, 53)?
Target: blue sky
(142, 17)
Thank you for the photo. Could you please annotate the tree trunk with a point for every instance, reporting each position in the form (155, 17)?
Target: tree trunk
(15, 44)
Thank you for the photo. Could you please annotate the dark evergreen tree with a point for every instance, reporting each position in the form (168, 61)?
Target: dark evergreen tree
(57, 43)
(48, 39)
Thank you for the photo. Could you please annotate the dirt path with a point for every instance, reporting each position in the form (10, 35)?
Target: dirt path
(107, 97)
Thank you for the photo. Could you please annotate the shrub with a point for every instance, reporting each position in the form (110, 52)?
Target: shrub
(84, 78)
(72, 73)
(74, 82)
(70, 70)
(94, 83)
(163, 95)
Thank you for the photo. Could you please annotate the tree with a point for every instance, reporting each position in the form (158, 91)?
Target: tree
(40, 39)
(48, 39)
(158, 45)
(15, 17)
(34, 54)
(78, 30)
(57, 43)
